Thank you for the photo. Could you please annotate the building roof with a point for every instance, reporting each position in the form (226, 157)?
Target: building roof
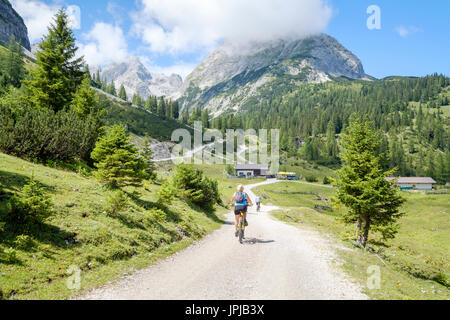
(251, 167)
(413, 180)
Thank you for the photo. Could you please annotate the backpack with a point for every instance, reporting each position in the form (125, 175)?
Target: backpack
(239, 197)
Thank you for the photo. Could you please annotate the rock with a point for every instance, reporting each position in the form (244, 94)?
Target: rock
(11, 23)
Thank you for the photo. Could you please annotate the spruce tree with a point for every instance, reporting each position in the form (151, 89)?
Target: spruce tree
(117, 160)
(372, 202)
(123, 93)
(12, 64)
(58, 72)
(111, 89)
(85, 102)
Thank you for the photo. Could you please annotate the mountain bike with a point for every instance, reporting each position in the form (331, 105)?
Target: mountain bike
(241, 226)
(258, 207)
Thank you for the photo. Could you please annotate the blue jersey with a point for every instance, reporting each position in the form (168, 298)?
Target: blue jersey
(258, 199)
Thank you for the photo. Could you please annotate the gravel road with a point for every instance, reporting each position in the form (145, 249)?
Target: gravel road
(277, 261)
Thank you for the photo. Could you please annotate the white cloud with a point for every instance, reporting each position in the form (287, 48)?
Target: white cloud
(180, 26)
(106, 43)
(38, 16)
(404, 32)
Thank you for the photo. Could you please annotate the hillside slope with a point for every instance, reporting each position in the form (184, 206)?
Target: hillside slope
(83, 232)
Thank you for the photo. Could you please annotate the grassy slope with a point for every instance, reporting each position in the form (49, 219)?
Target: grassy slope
(81, 233)
(139, 121)
(419, 253)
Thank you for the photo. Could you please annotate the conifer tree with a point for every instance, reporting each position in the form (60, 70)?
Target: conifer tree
(84, 101)
(58, 72)
(123, 93)
(117, 160)
(372, 202)
(12, 64)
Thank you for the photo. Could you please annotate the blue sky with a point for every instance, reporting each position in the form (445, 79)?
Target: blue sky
(173, 36)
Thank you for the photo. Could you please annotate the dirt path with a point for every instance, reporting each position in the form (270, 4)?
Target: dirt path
(277, 261)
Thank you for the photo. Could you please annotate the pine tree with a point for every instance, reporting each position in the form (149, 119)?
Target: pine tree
(111, 89)
(84, 101)
(123, 93)
(58, 73)
(147, 155)
(12, 64)
(117, 160)
(371, 200)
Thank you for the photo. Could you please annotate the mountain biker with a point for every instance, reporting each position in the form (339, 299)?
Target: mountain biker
(241, 201)
(258, 202)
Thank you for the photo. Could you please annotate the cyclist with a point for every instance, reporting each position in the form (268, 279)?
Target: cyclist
(241, 201)
(258, 202)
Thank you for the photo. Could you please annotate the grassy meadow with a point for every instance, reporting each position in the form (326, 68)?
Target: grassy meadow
(415, 265)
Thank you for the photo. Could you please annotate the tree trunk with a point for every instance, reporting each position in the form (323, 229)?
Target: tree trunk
(363, 231)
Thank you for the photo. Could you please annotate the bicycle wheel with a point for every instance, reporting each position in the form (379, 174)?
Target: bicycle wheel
(241, 230)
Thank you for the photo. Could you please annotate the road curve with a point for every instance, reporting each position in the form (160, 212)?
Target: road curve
(277, 261)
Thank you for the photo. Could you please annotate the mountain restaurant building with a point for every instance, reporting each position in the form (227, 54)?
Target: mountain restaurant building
(414, 183)
(252, 170)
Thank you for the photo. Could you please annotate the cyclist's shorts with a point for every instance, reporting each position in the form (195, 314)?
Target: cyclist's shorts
(239, 209)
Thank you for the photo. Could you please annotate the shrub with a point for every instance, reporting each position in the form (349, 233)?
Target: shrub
(45, 135)
(116, 203)
(23, 242)
(166, 193)
(195, 187)
(158, 215)
(311, 179)
(11, 255)
(29, 207)
(326, 180)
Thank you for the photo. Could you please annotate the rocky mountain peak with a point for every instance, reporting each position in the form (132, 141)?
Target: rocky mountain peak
(136, 78)
(236, 72)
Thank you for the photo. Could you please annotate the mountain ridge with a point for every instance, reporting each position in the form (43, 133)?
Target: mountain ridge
(232, 74)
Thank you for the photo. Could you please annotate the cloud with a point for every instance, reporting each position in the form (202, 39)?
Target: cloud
(38, 16)
(404, 32)
(181, 26)
(105, 43)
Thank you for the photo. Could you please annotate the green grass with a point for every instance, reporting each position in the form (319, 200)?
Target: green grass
(413, 265)
(81, 233)
(139, 121)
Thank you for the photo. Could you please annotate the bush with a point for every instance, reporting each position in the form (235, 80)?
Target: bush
(32, 133)
(23, 242)
(311, 179)
(11, 255)
(29, 207)
(326, 180)
(195, 187)
(166, 193)
(116, 203)
(158, 215)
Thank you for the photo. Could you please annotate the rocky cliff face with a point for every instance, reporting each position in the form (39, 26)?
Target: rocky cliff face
(137, 79)
(11, 23)
(235, 74)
